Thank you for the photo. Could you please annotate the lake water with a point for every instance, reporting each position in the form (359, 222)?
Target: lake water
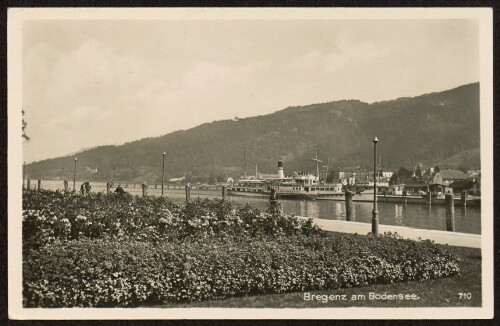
(467, 220)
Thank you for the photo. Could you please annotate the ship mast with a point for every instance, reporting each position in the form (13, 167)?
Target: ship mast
(327, 166)
(317, 164)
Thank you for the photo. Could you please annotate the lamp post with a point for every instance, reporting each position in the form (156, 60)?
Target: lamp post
(163, 174)
(74, 176)
(375, 210)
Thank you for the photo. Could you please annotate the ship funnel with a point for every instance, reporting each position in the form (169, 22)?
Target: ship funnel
(281, 174)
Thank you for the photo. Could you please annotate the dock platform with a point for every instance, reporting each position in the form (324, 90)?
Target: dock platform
(472, 201)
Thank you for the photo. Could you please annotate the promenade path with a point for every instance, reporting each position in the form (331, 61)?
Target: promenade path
(441, 237)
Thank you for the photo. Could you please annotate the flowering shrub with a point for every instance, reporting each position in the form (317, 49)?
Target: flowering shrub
(110, 272)
(48, 216)
(113, 250)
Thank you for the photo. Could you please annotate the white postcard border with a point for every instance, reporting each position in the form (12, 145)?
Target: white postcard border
(16, 17)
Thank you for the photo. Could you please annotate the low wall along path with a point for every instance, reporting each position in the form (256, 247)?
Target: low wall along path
(441, 237)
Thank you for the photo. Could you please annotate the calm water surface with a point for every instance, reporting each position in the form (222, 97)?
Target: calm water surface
(467, 220)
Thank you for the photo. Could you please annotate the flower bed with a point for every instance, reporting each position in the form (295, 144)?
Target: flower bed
(49, 216)
(117, 273)
(110, 250)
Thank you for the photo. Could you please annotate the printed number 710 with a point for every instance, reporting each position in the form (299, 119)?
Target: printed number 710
(464, 296)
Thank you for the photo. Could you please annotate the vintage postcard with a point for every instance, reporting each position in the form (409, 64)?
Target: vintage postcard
(212, 163)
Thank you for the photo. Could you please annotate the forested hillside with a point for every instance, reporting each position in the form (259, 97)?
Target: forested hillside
(430, 129)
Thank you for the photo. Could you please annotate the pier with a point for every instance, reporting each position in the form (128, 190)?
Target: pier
(467, 201)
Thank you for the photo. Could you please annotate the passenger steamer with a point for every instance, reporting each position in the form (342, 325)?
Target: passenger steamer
(298, 186)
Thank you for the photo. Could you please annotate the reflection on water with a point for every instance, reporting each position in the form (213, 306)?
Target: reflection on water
(306, 208)
(340, 211)
(398, 214)
(433, 217)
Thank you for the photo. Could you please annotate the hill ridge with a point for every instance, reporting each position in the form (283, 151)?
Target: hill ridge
(426, 129)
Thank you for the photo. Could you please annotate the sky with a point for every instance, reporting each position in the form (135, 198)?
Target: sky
(87, 83)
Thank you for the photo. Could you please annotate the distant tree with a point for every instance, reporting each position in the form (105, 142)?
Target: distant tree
(418, 172)
(212, 179)
(405, 172)
(402, 175)
(331, 177)
(221, 178)
(394, 179)
(25, 124)
(436, 169)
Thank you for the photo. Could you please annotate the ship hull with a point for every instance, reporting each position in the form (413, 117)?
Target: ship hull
(248, 193)
(367, 197)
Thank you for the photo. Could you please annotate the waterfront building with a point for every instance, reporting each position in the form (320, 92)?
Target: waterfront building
(446, 177)
(396, 190)
(472, 187)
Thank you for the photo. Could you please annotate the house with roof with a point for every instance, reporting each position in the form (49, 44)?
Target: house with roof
(460, 186)
(415, 189)
(446, 177)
